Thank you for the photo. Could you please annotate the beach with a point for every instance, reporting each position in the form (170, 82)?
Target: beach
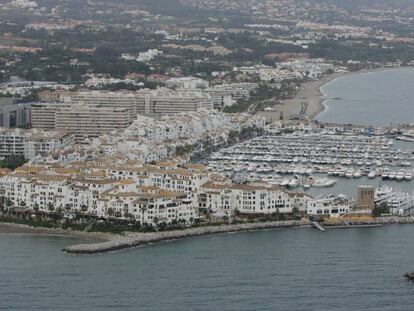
(11, 228)
(309, 92)
(97, 243)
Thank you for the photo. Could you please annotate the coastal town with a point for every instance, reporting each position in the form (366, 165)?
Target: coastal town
(206, 155)
(208, 124)
(86, 167)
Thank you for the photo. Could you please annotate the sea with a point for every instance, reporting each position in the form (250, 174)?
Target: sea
(383, 98)
(289, 269)
(376, 98)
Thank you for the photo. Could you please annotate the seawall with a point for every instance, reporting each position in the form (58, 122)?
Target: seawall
(131, 239)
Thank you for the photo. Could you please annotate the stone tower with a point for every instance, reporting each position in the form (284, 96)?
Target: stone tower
(365, 198)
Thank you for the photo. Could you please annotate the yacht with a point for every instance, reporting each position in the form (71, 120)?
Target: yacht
(357, 174)
(372, 174)
(400, 175)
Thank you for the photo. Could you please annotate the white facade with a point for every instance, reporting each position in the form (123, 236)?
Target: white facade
(32, 142)
(330, 206)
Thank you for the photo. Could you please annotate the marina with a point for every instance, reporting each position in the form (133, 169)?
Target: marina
(316, 159)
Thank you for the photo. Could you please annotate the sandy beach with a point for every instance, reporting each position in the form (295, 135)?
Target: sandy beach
(96, 243)
(11, 228)
(310, 93)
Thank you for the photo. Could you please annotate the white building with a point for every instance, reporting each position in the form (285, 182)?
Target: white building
(330, 206)
(31, 143)
(186, 83)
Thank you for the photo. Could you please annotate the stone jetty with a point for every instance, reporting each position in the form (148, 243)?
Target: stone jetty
(395, 220)
(409, 276)
(131, 239)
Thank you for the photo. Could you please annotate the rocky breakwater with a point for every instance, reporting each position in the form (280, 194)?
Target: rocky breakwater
(131, 239)
(395, 220)
(409, 276)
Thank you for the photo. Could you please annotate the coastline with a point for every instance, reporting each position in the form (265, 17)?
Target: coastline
(12, 228)
(132, 240)
(100, 243)
(311, 93)
(323, 97)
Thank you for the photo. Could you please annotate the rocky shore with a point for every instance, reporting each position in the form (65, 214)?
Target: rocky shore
(131, 239)
(395, 220)
(138, 239)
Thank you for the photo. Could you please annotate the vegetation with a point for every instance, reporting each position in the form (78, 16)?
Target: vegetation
(12, 162)
(381, 209)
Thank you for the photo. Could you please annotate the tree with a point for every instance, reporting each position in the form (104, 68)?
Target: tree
(84, 208)
(50, 207)
(2, 203)
(143, 210)
(381, 209)
(36, 207)
(110, 212)
(13, 161)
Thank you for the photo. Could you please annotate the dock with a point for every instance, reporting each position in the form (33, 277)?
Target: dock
(317, 225)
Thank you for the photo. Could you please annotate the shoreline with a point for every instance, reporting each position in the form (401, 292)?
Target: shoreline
(323, 96)
(100, 243)
(133, 240)
(311, 92)
(20, 229)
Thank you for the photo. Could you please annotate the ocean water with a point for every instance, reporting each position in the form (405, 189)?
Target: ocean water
(375, 98)
(290, 269)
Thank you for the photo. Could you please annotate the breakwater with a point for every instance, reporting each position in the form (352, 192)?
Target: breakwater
(131, 239)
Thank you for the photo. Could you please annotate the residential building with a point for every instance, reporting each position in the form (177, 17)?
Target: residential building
(31, 143)
(13, 114)
(90, 121)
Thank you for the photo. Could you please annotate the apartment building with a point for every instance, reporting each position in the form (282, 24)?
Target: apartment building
(90, 121)
(228, 94)
(165, 101)
(13, 114)
(226, 198)
(44, 115)
(151, 194)
(186, 83)
(32, 142)
(128, 100)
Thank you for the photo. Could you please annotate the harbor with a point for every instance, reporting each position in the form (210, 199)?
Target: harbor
(315, 157)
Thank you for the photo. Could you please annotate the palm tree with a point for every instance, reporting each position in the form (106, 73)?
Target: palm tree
(2, 203)
(110, 211)
(84, 208)
(50, 207)
(143, 210)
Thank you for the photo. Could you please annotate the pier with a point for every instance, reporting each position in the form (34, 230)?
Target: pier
(318, 226)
